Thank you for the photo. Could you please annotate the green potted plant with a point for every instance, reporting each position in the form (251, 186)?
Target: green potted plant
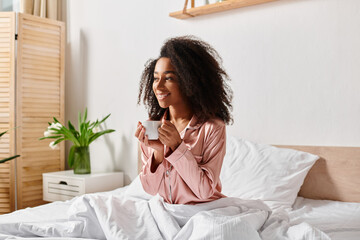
(9, 158)
(79, 156)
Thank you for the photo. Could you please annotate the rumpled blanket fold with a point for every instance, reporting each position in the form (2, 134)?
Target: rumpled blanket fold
(132, 214)
(120, 217)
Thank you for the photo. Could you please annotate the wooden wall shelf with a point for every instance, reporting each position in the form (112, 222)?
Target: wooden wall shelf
(215, 7)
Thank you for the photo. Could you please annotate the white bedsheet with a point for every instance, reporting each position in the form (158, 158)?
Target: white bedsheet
(129, 213)
(339, 220)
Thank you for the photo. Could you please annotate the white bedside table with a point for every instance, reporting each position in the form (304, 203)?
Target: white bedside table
(64, 185)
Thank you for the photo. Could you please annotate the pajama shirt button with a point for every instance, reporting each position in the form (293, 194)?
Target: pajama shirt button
(167, 173)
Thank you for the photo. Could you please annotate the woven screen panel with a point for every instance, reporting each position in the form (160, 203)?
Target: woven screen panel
(40, 97)
(7, 141)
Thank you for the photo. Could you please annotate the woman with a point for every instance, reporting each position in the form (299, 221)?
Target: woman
(185, 88)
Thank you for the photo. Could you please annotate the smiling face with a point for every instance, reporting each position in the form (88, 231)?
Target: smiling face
(165, 85)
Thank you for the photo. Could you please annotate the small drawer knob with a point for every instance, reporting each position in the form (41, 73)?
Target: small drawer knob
(63, 183)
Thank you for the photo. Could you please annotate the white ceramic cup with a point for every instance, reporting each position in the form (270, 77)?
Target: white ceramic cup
(151, 129)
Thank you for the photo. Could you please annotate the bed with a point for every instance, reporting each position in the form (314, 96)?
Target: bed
(274, 192)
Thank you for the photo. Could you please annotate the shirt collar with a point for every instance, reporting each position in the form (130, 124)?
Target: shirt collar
(194, 123)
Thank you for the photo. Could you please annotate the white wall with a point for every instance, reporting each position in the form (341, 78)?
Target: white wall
(294, 66)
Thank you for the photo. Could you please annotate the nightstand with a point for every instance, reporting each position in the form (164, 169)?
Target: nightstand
(64, 185)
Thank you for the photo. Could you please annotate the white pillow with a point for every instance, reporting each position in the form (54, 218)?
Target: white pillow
(268, 173)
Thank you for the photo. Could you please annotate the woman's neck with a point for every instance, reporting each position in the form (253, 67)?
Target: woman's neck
(180, 117)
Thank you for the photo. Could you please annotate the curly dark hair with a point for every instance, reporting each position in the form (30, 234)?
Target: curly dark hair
(201, 79)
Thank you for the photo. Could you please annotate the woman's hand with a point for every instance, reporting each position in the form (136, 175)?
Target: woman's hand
(154, 144)
(168, 135)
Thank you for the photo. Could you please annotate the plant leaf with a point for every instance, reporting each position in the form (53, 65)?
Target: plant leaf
(85, 115)
(73, 130)
(79, 119)
(98, 134)
(103, 120)
(70, 136)
(50, 137)
(71, 156)
(59, 140)
(9, 158)
(82, 134)
(92, 125)
(3, 133)
(55, 120)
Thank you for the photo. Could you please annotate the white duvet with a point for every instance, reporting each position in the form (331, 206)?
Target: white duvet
(339, 220)
(130, 213)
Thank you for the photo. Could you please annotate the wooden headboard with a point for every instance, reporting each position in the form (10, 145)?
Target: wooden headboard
(335, 176)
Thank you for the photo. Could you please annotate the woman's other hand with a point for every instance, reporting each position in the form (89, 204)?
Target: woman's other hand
(169, 135)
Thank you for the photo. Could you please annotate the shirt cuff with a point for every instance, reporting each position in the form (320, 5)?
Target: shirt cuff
(178, 153)
(159, 170)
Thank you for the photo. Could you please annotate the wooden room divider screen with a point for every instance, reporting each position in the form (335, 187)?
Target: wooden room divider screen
(31, 93)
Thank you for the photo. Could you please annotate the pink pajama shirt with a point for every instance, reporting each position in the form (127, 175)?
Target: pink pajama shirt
(191, 173)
